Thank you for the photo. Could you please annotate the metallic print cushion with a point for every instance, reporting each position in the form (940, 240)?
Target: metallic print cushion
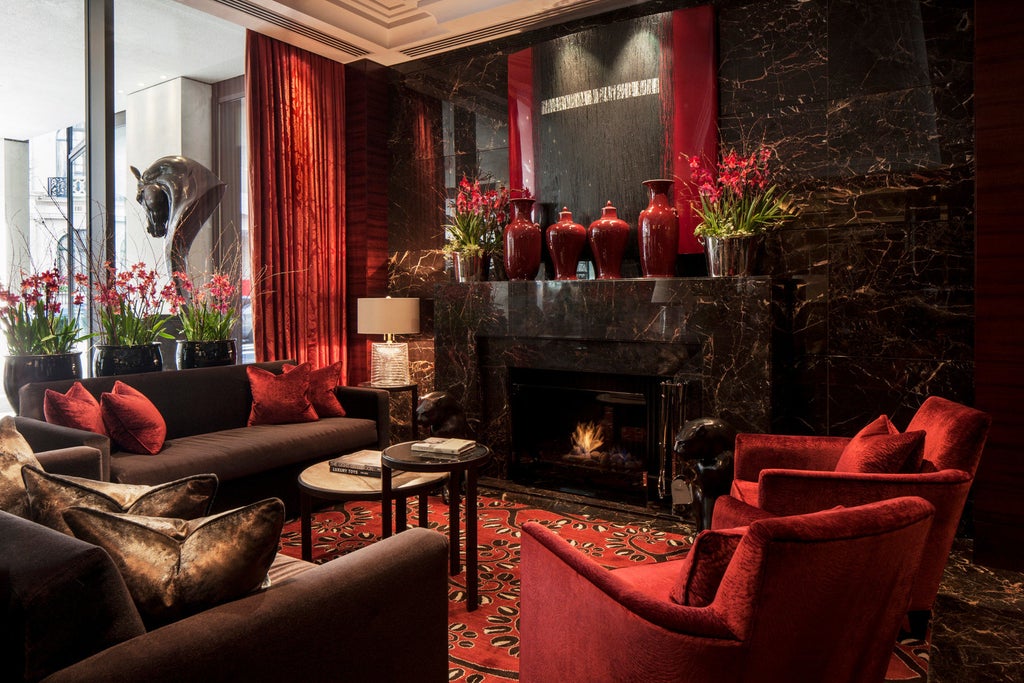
(15, 453)
(50, 494)
(176, 567)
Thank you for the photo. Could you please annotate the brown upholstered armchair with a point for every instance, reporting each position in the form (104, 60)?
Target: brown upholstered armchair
(789, 475)
(816, 597)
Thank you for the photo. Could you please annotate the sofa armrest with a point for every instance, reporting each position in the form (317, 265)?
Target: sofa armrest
(76, 461)
(371, 404)
(755, 452)
(378, 614)
(43, 436)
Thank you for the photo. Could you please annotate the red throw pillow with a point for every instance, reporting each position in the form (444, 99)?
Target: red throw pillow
(77, 408)
(322, 382)
(881, 448)
(280, 399)
(705, 565)
(132, 421)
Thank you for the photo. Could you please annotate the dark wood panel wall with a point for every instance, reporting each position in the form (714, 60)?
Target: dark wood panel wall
(999, 291)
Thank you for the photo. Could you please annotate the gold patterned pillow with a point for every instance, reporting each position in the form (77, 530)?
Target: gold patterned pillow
(176, 567)
(49, 495)
(15, 453)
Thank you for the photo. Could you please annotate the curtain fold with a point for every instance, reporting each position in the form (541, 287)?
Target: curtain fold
(296, 120)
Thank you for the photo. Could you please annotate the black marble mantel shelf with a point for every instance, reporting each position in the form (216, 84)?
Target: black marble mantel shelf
(716, 329)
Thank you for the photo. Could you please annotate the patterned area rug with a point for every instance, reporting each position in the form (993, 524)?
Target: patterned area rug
(483, 645)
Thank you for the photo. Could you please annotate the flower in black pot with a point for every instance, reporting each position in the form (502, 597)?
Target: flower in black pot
(208, 316)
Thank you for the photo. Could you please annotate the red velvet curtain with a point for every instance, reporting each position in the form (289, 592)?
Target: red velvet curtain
(296, 115)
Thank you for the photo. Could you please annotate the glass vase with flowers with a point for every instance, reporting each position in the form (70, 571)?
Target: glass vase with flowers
(208, 318)
(131, 304)
(475, 229)
(41, 335)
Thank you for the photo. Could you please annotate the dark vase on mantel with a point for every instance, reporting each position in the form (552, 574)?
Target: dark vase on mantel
(205, 354)
(659, 231)
(522, 242)
(566, 240)
(608, 236)
(26, 369)
(111, 360)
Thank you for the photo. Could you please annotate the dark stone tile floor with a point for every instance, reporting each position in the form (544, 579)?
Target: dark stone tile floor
(978, 621)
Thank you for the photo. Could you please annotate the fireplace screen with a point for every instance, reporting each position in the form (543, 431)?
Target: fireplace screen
(592, 434)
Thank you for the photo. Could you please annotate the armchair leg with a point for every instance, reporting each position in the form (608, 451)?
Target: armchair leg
(918, 621)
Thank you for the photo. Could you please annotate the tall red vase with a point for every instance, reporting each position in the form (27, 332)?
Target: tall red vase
(608, 236)
(522, 242)
(566, 240)
(659, 231)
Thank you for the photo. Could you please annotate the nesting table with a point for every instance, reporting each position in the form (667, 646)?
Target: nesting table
(464, 466)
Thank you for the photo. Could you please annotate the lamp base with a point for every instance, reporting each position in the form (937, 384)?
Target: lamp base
(389, 364)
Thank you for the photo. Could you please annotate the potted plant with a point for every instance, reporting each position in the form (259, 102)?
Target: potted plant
(208, 317)
(475, 230)
(738, 203)
(41, 336)
(131, 306)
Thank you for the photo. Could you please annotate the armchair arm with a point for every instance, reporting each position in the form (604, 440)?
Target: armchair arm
(76, 461)
(44, 436)
(371, 404)
(755, 452)
(378, 614)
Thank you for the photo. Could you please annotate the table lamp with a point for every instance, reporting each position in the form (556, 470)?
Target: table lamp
(389, 361)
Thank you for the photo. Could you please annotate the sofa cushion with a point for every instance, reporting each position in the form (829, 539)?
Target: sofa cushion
(704, 566)
(235, 453)
(76, 408)
(15, 453)
(322, 383)
(177, 567)
(280, 399)
(880, 447)
(132, 420)
(64, 600)
(50, 494)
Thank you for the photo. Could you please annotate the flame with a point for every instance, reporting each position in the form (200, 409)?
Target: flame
(588, 437)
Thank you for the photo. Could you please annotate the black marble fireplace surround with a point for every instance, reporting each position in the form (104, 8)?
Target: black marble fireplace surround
(719, 331)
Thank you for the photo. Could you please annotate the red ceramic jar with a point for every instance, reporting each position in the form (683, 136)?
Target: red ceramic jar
(522, 242)
(566, 240)
(659, 232)
(608, 236)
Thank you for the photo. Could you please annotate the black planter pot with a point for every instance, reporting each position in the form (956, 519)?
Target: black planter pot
(22, 370)
(126, 360)
(205, 354)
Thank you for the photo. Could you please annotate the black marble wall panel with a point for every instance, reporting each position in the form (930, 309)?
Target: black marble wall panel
(870, 106)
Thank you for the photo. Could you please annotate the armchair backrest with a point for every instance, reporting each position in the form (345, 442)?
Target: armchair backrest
(825, 593)
(954, 433)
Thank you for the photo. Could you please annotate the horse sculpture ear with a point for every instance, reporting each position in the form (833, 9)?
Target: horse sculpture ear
(135, 171)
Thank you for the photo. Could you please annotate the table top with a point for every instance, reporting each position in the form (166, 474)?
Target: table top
(401, 457)
(320, 479)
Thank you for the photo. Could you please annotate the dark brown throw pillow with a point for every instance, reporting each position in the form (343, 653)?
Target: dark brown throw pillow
(280, 399)
(175, 567)
(132, 420)
(705, 565)
(322, 383)
(881, 448)
(15, 453)
(50, 495)
(77, 408)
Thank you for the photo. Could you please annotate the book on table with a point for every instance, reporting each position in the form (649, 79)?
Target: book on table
(365, 463)
(437, 445)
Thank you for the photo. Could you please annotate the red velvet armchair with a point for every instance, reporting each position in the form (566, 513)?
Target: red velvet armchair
(816, 597)
(789, 475)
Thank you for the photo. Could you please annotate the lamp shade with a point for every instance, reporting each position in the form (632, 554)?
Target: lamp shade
(388, 316)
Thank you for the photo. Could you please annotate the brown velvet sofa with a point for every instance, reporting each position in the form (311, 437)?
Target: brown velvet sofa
(206, 411)
(67, 615)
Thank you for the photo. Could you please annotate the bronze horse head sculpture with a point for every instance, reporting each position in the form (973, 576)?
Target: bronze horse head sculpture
(178, 194)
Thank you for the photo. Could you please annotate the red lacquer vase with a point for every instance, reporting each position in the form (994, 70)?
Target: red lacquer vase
(566, 240)
(522, 242)
(659, 231)
(608, 236)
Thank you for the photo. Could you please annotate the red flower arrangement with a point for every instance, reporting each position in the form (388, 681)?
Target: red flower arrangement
(479, 218)
(208, 314)
(131, 305)
(33, 320)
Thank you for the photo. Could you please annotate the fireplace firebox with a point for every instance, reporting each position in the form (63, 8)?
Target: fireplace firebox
(599, 435)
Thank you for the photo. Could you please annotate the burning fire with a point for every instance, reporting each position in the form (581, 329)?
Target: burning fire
(587, 438)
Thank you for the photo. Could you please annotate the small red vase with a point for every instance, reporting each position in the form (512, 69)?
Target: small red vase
(566, 240)
(522, 242)
(608, 236)
(659, 232)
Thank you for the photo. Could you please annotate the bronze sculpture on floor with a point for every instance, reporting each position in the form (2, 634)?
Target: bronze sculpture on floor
(178, 194)
(439, 411)
(703, 463)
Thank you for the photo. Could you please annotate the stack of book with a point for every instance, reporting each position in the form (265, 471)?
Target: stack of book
(444, 448)
(362, 463)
